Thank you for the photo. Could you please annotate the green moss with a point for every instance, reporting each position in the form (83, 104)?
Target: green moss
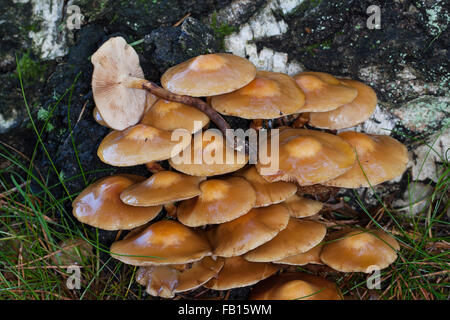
(221, 31)
(31, 70)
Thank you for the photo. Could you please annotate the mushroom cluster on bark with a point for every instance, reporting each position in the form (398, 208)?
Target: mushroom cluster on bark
(229, 224)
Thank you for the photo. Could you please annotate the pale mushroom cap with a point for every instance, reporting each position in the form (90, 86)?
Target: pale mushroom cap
(119, 106)
(349, 114)
(238, 272)
(161, 188)
(309, 157)
(99, 205)
(163, 242)
(267, 193)
(249, 231)
(295, 286)
(165, 281)
(311, 256)
(220, 201)
(323, 91)
(381, 157)
(169, 116)
(138, 145)
(300, 207)
(209, 158)
(299, 236)
(209, 75)
(360, 251)
(270, 95)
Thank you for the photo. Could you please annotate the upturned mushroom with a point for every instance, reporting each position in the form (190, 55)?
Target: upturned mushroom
(359, 251)
(99, 205)
(308, 157)
(379, 159)
(267, 193)
(295, 286)
(220, 201)
(162, 243)
(270, 95)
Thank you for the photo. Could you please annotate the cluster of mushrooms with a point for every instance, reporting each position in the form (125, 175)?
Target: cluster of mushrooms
(242, 227)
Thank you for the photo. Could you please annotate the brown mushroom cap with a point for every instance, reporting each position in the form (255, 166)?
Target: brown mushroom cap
(209, 75)
(163, 242)
(381, 157)
(270, 95)
(299, 236)
(323, 91)
(119, 106)
(165, 281)
(249, 231)
(161, 188)
(300, 207)
(360, 251)
(267, 193)
(169, 116)
(138, 145)
(311, 256)
(238, 272)
(220, 201)
(309, 156)
(99, 205)
(349, 114)
(206, 152)
(295, 286)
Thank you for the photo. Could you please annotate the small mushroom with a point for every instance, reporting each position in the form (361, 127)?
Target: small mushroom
(309, 157)
(323, 91)
(312, 256)
(349, 114)
(360, 251)
(238, 272)
(249, 231)
(300, 207)
(163, 242)
(298, 237)
(209, 75)
(162, 188)
(169, 116)
(220, 201)
(99, 205)
(165, 281)
(379, 159)
(270, 95)
(138, 145)
(295, 286)
(267, 193)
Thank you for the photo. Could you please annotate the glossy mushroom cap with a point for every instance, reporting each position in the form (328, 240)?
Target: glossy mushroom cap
(349, 114)
(360, 251)
(161, 188)
(138, 145)
(238, 272)
(311, 256)
(323, 91)
(270, 95)
(220, 201)
(300, 207)
(169, 116)
(163, 242)
(249, 231)
(267, 193)
(165, 281)
(209, 75)
(381, 158)
(309, 157)
(99, 205)
(299, 236)
(295, 286)
(120, 106)
(209, 158)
